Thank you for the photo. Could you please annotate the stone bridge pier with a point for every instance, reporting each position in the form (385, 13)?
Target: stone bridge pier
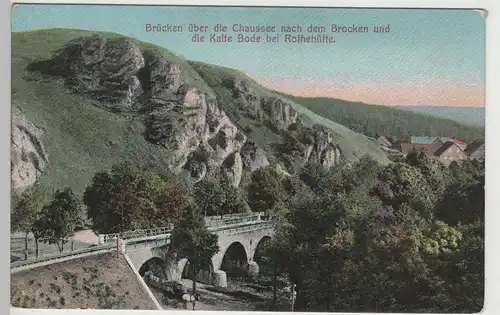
(237, 250)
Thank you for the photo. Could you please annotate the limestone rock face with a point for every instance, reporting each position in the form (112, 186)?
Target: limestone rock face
(180, 111)
(281, 114)
(323, 150)
(232, 169)
(177, 115)
(28, 155)
(253, 157)
(104, 69)
(273, 111)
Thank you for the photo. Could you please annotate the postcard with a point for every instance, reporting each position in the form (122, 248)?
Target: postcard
(236, 158)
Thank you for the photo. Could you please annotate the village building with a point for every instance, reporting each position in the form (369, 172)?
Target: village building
(406, 147)
(450, 152)
(445, 153)
(442, 140)
(475, 150)
(424, 140)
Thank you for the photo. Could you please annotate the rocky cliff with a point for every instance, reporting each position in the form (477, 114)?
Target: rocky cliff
(190, 124)
(194, 117)
(28, 156)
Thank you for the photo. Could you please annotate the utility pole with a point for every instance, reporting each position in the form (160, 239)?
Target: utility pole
(117, 247)
(293, 295)
(121, 222)
(119, 235)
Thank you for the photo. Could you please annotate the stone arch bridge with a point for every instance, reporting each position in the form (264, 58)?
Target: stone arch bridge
(240, 241)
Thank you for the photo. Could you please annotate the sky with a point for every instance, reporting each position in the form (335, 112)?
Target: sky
(428, 57)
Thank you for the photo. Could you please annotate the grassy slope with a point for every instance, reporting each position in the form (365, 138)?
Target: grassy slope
(388, 120)
(81, 138)
(81, 283)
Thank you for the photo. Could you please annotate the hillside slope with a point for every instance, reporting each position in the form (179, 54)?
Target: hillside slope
(94, 282)
(374, 120)
(100, 99)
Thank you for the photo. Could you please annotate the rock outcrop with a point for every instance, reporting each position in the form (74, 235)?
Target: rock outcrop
(181, 114)
(232, 169)
(178, 116)
(253, 157)
(280, 114)
(314, 144)
(104, 69)
(28, 156)
(273, 111)
(323, 150)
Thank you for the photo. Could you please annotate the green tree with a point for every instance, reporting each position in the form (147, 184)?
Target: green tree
(400, 184)
(25, 213)
(435, 173)
(209, 196)
(174, 200)
(218, 197)
(191, 239)
(131, 198)
(60, 218)
(265, 189)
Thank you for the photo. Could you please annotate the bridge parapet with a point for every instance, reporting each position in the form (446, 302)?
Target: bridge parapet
(157, 237)
(106, 238)
(213, 225)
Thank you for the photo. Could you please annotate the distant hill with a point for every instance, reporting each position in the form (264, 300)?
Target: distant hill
(375, 120)
(473, 116)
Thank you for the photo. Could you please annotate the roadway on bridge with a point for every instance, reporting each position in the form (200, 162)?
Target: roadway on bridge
(86, 239)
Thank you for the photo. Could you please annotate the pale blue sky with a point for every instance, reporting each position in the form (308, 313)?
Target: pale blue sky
(425, 48)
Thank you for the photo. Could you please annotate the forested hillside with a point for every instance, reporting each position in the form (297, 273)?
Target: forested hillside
(377, 120)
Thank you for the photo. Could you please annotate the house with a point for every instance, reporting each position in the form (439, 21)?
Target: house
(462, 145)
(475, 150)
(406, 147)
(445, 153)
(450, 152)
(383, 141)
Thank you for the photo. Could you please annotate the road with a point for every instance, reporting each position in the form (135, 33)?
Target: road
(80, 240)
(17, 248)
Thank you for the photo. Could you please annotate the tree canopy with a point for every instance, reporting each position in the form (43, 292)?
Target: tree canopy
(407, 237)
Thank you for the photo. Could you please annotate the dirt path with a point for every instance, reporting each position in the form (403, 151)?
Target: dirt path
(237, 297)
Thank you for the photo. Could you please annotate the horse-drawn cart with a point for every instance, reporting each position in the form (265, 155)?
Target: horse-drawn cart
(170, 289)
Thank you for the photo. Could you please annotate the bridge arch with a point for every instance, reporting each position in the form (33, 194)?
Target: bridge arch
(204, 275)
(235, 258)
(263, 262)
(260, 247)
(155, 264)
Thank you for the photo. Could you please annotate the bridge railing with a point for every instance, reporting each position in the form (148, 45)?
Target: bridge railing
(42, 247)
(226, 222)
(155, 242)
(235, 219)
(51, 251)
(131, 246)
(59, 255)
(107, 238)
(247, 228)
(234, 216)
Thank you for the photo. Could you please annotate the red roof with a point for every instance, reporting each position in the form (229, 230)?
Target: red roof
(428, 148)
(443, 148)
(458, 142)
